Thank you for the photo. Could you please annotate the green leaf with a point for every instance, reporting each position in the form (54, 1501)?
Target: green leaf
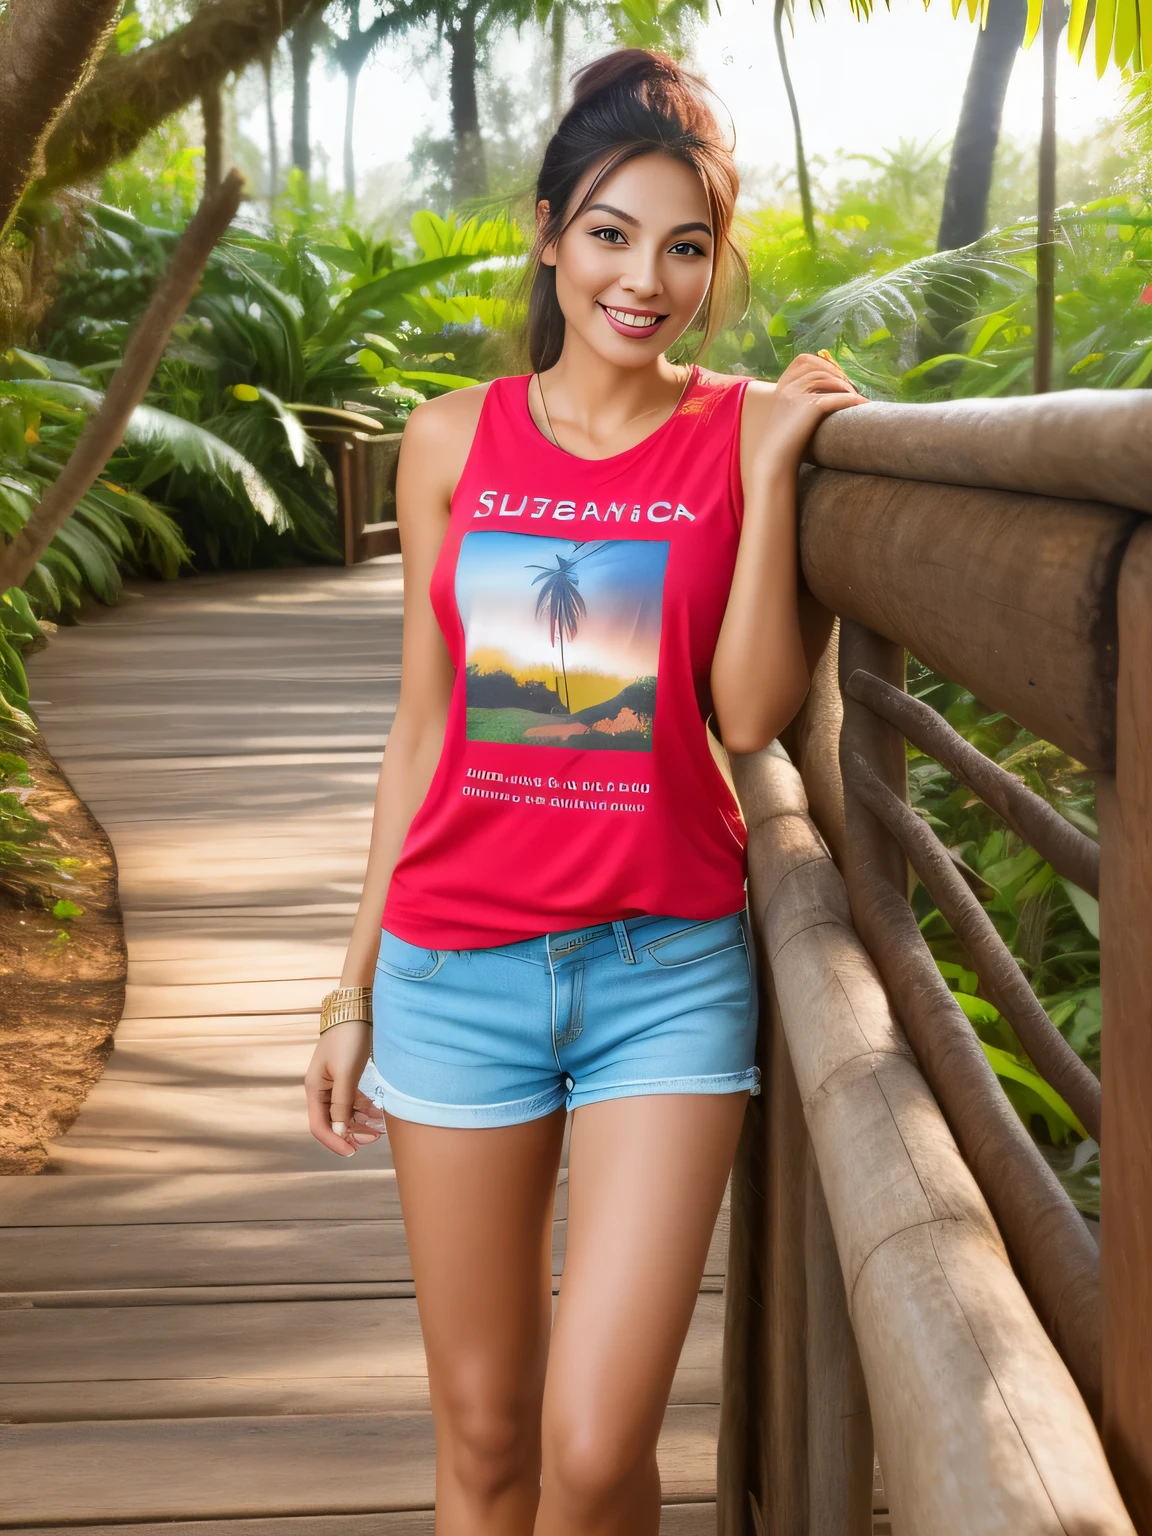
(447, 380)
(1087, 907)
(129, 33)
(65, 908)
(937, 362)
(246, 392)
(1006, 1066)
(977, 1010)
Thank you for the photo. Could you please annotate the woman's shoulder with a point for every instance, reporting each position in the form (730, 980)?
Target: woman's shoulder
(448, 419)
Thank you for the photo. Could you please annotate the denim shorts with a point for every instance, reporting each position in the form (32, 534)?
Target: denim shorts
(496, 1036)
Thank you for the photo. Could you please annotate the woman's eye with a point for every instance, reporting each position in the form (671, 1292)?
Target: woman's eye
(609, 236)
(686, 248)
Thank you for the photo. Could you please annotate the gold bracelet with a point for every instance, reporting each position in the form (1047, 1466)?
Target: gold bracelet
(344, 1004)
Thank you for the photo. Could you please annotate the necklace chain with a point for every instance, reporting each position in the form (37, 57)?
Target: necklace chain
(548, 418)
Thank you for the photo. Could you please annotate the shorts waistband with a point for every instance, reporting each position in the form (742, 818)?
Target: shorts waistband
(564, 942)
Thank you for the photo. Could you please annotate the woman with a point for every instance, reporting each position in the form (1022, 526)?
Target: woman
(597, 556)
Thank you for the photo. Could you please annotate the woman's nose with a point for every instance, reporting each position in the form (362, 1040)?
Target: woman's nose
(643, 275)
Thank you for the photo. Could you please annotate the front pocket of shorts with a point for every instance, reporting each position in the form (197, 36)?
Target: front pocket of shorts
(699, 942)
(407, 961)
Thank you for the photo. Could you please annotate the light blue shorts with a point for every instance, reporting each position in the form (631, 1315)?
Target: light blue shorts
(496, 1036)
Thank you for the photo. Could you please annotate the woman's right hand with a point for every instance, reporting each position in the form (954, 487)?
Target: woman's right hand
(340, 1117)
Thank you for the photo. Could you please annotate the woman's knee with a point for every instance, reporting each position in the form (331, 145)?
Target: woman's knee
(488, 1446)
(591, 1461)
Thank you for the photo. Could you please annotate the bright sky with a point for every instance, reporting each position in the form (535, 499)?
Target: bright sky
(862, 86)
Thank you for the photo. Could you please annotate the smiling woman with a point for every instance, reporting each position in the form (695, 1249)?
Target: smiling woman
(645, 108)
(598, 556)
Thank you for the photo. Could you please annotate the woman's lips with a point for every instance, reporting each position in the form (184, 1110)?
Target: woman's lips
(629, 327)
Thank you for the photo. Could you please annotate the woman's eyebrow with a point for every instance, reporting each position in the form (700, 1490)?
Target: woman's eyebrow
(616, 213)
(626, 218)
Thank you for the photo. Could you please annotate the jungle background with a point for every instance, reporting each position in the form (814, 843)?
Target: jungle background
(375, 262)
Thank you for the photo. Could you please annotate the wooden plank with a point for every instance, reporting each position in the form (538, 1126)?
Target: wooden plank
(675, 1520)
(157, 1254)
(234, 1360)
(1126, 1193)
(344, 1194)
(233, 1468)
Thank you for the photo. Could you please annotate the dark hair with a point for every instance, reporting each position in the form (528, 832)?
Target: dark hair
(632, 102)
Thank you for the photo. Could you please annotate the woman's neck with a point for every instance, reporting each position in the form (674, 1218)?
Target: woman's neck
(592, 403)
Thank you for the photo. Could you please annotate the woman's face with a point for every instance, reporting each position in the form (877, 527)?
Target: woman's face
(634, 267)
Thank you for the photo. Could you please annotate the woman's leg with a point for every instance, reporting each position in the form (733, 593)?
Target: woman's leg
(477, 1210)
(646, 1176)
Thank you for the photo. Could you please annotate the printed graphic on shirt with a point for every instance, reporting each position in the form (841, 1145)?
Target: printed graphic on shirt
(562, 638)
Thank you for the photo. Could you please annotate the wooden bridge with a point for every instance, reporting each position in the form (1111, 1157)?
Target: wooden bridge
(193, 1299)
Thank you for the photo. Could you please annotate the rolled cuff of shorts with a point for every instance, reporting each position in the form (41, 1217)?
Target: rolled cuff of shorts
(721, 1082)
(465, 1116)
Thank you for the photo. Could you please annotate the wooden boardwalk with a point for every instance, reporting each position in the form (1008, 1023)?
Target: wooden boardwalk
(193, 1299)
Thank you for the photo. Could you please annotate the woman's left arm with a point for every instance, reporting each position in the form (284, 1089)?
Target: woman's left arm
(760, 669)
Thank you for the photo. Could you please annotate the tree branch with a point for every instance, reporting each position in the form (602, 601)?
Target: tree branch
(104, 430)
(128, 97)
(45, 48)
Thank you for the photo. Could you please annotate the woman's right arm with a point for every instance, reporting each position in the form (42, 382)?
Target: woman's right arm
(433, 452)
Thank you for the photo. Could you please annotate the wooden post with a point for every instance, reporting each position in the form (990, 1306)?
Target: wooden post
(839, 1420)
(784, 1454)
(742, 1382)
(869, 844)
(1125, 809)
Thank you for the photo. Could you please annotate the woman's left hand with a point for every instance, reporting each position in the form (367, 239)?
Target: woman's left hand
(810, 389)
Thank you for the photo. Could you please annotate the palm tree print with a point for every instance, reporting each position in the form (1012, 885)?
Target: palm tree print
(561, 599)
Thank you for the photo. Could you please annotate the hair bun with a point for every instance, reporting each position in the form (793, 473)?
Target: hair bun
(629, 68)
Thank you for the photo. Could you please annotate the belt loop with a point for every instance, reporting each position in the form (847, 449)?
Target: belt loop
(623, 942)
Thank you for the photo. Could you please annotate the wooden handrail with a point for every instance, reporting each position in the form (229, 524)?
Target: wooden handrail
(1012, 596)
(1087, 444)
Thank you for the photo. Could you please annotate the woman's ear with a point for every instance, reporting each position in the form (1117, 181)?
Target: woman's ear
(543, 214)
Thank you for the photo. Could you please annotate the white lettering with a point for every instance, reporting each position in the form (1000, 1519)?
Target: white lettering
(682, 511)
(488, 498)
(618, 507)
(514, 512)
(543, 502)
(590, 511)
(567, 516)
(635, 518)
(652, 515)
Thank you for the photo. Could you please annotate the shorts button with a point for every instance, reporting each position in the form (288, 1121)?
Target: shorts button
(569, 1083)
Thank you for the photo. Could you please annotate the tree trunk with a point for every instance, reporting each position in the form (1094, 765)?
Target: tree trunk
(556, 73)
(1054, 19)
(801, 160)
(965, 212)
(301, 44)
(130, 96)
(469, 174)
(352, 77)
(104, 431)
(270, 122)
(212, 108)
(45, 47)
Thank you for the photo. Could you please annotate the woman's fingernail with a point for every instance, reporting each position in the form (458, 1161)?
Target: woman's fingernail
(359, 1136)
(339, 1127)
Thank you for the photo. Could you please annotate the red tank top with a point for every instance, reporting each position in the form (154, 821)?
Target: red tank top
(581, 601)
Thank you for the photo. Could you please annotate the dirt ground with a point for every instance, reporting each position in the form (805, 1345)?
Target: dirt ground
(60, 997)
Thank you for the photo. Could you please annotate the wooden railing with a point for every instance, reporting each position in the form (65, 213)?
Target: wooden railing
(903, 1260)
(362, 458)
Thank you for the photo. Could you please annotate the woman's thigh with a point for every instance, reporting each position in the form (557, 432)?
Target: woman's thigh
(646, 1177)
(477, 1207)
